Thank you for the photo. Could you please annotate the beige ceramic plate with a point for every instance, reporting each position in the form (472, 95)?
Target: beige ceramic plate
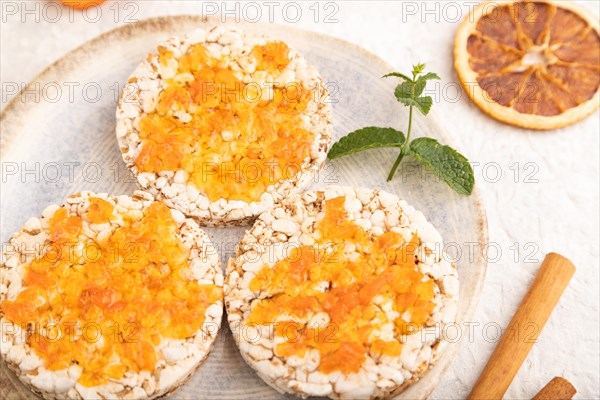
(68, 140)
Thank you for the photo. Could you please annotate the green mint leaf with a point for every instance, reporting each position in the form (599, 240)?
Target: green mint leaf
(399, 75)
(403, 92)
(445, 162)
(429, 76)
(408, 92)
(417, 69)
(371, 137)
(424, 104)
(419, 87)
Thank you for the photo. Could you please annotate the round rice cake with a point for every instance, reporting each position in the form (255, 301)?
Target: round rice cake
(221, 124)
(341, 292)
(108, 297)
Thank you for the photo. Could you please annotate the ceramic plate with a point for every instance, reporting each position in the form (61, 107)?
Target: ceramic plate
(58, 138)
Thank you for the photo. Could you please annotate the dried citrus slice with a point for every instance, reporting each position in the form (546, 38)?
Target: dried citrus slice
(81, 4)
(534, 64)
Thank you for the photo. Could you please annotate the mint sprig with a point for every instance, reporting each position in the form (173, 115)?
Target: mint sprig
(448, 164)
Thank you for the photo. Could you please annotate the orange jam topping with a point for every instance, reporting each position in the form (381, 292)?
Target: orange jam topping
(241, 136)
(106, 305)
(385, 267)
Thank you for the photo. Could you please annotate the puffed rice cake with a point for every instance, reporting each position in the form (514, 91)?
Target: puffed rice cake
(108, 297)
(220, 124)
(341, 292)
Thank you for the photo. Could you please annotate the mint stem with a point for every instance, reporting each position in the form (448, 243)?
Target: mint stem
(403, 148)
(396, 164)
(407, 141)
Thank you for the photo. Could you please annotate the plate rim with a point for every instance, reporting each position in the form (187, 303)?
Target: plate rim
(14, 107)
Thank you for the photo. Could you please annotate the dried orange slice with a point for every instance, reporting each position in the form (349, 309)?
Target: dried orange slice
(81, 4)
(533, 64)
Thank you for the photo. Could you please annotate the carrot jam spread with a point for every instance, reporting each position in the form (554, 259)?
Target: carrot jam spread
(238, 137)
(385, 267)
(105, 305)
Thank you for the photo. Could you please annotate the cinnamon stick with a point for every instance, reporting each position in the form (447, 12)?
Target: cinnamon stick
(557, 389)
(524, 328)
